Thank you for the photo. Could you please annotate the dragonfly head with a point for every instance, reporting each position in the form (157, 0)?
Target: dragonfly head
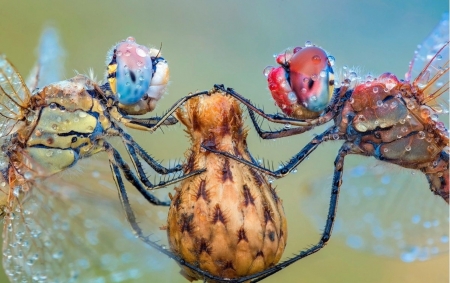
(303, 84)
(137, 76)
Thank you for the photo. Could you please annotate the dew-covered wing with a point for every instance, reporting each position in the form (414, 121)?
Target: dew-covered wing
(50, 65)
(387, 211)
(14, 97)
(74, 230)
(429, 67)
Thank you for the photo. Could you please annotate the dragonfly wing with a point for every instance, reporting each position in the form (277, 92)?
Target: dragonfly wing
(388, 214)
(429, 67)
(14, 97)
(50, 65)
(64, 231)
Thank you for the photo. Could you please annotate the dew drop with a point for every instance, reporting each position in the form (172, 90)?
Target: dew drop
(375, 89)
(140, 51)
(308, 43)
(267, 70)
(316, 59)
(421, 135)
(408, 148)
(292, 97)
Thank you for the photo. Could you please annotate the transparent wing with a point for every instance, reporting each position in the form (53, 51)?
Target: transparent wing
(50, 65)
(384, 210)
(65, 230)
(430, 64)
(14, 97)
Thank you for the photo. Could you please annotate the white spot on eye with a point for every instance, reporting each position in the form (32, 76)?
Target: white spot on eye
(141, 52)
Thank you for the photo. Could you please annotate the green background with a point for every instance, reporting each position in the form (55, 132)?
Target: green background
(230, 42)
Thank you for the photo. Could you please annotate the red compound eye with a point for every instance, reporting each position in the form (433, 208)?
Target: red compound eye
(310, 76)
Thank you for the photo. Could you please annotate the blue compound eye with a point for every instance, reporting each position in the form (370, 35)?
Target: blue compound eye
(130, 71)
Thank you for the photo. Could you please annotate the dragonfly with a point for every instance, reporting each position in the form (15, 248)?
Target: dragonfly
(47, 130)
(395, 121)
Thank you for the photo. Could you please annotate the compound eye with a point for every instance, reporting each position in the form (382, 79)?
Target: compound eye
(312, 78)
(130, 71)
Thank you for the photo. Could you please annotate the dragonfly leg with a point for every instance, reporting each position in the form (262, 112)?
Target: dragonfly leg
(129, 142)
(346, 149)
(289, 166)
(277, 118)
(139, 233)
(267, 135)
(117, 160)
(152, 124)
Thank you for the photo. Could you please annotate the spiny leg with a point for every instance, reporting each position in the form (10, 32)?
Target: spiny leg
(152, 121)
(267, 135)
(326, 234)
(149, 124)
(129, 142)
(146, 181)
(139, 233)
(278, 118)
(289, 166)
(117, 160)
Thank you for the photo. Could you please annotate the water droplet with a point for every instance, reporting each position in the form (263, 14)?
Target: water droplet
(140, 51)
(375, 89)
(379, 103)
(308, 43)
(316, 59)
(421, 135)
(439, 57)
(435, 117)
(352, 76)
(27, 175)
(408, 148)
(82, 114)
(292, 97)
(127, 53)
(335, 136)
(53, 106)
(54, 127)
(267, 70)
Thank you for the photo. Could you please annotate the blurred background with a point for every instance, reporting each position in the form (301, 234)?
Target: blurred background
(231, 42)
